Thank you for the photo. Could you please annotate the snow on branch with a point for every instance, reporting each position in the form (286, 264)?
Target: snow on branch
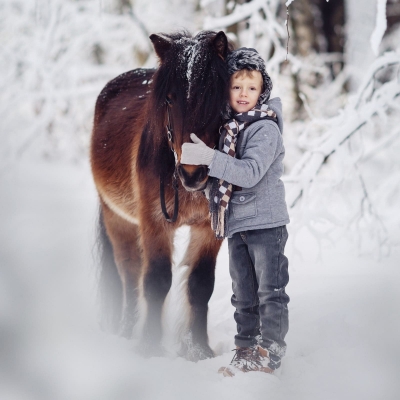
(380, 27)
(55, 64)
(368, 102)
(264, 30)
(240, 13)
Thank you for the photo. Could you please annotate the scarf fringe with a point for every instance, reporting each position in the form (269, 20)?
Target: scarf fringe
(220, 231)
(218, 215)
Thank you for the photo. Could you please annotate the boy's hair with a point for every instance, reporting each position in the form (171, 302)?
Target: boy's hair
(246, 72)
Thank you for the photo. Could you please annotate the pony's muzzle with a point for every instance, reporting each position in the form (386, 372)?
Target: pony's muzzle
(193, 177)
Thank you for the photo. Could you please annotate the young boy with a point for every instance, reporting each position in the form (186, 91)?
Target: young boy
(247, 205)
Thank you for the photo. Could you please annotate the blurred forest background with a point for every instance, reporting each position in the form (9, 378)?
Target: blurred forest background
(339, 83)
(339, 80)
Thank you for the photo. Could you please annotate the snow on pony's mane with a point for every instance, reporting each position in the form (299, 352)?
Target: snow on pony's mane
(195, 76)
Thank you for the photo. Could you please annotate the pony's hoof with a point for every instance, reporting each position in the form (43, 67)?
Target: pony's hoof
(126, 328)
(196, 352)
(148, 350)
(206, 352)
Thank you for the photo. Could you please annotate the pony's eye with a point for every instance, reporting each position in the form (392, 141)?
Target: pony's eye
(168, 100)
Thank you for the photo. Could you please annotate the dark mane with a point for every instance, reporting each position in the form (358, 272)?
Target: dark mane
(196, 79)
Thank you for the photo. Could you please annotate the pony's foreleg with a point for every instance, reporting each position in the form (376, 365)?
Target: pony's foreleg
(157, 244)
(201, 256)
(125, 242)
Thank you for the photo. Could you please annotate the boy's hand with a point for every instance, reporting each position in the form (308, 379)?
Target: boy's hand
(196, 153)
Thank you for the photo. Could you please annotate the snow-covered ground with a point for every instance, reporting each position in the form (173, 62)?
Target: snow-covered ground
(343, 341)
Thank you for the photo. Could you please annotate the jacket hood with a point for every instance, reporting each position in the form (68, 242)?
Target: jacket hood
(275, 104)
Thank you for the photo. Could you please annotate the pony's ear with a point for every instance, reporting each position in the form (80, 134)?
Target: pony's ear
(220, 43)
(162, 45)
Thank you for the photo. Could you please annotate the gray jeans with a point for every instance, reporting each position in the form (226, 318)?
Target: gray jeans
(259, 272)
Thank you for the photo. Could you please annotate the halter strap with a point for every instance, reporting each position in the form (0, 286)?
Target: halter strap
(176, 198)
(170, 129)
(174, 176)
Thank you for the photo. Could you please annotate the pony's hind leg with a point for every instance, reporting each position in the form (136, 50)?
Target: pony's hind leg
(125, 242)
(157, 244)
(110, 287)
(201, 257)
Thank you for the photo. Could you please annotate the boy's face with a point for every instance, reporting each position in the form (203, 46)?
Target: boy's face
(245, 90)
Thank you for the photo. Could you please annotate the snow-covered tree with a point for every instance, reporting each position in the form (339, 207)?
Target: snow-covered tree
(57, 55)
(341, 102)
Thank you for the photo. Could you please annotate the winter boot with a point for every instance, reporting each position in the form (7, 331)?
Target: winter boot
(247, 359)
(265, 360)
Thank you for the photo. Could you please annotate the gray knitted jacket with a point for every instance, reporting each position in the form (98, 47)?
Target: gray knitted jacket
(259, 202)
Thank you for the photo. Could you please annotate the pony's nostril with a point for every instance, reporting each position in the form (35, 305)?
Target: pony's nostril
(202, 173)
(193, 177)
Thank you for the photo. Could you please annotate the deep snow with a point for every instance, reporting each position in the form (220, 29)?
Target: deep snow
(344, 320)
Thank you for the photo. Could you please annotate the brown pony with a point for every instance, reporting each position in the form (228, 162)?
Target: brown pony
(140, 117)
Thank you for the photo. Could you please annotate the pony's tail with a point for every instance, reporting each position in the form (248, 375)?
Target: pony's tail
(110, 285)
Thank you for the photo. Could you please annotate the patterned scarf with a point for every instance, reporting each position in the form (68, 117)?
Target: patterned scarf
(221, 191)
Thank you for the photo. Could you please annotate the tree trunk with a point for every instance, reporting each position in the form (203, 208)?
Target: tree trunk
(360, 23)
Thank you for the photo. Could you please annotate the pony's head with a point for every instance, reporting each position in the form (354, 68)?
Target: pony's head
(189, 91)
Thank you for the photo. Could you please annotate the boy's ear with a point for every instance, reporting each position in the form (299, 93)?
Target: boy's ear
(162, 45)
(220, 43)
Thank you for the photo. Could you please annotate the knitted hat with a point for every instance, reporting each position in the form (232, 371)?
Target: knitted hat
(248, 58)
